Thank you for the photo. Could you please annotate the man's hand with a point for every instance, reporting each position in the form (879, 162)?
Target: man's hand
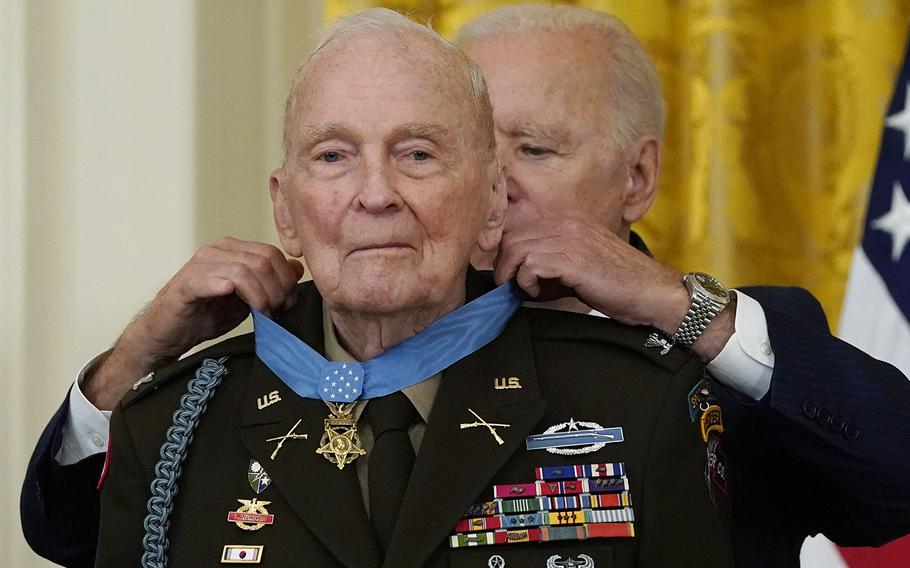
(576, 258)
(210, 295)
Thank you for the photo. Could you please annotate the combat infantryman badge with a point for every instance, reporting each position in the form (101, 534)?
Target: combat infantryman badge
(258, 478)
(563, 438)
(340, 444)
(252, 516)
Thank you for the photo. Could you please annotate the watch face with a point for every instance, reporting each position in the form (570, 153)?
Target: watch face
(711, 287)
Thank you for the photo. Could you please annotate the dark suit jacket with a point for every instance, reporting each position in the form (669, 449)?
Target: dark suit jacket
(826, 450)
(569, 365)
(790, 474)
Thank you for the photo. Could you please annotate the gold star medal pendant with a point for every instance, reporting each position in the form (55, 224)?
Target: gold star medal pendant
(340, 443)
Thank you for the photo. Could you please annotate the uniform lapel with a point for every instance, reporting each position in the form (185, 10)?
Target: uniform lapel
(328, 500)
(455, 465)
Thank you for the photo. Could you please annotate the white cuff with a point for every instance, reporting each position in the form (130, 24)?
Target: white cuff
(85, 432)
(746, 362)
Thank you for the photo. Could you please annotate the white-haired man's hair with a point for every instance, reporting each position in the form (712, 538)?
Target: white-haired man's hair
(385, 22)
(634, 106)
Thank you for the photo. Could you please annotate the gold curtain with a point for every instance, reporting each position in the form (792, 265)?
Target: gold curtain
(775, 111)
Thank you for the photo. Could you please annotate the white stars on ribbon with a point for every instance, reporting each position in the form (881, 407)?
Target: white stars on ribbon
(341, 382)
(901, 121)
(897, 220)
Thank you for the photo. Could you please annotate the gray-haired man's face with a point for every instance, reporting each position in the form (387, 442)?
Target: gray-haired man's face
(552, 138)
(385, 191)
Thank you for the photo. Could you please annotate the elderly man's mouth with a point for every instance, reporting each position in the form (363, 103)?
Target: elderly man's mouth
(389, 248)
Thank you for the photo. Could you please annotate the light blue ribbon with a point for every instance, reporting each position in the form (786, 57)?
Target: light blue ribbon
(449, 339)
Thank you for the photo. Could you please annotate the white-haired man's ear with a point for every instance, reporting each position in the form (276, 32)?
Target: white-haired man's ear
(281, 210)
(643, 168)
(491, 233)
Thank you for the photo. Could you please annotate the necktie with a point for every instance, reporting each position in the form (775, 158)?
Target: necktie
(391, 461)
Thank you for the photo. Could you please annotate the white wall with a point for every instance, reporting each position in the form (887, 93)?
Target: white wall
(132, 133)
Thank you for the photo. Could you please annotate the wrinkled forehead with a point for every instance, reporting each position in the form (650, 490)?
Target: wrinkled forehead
(407, 80)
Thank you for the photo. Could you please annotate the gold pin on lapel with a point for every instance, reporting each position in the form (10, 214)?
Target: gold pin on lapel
(504, 383)
(491, 426)
(289, 436)
(268, 400)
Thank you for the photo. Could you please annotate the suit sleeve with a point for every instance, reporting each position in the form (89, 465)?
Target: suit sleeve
(59, 505)
(124, 495)
(840, 417)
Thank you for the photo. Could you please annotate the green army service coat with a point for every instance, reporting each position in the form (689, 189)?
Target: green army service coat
(568, 366)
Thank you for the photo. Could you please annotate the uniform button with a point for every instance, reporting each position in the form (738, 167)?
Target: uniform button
(765, 348)
(851, 431)
(823, 417)
(96, 439)
(809, 409)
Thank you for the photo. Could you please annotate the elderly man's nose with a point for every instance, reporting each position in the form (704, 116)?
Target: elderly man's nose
(513, 188)
(378, 191)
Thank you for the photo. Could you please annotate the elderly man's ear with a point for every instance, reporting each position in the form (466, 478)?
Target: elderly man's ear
(281, 209)
(643, 166)
(491, 233)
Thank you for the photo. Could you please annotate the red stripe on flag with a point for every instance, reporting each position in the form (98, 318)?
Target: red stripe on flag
(893, 555)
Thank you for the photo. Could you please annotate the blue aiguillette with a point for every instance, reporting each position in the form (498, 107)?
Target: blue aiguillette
(447, 340)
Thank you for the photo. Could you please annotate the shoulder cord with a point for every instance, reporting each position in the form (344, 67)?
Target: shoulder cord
(193, 405)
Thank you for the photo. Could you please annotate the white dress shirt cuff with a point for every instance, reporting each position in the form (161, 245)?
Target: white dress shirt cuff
(85, 432)
(746, 362)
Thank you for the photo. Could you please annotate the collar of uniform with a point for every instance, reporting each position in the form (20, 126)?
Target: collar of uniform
(421, 394)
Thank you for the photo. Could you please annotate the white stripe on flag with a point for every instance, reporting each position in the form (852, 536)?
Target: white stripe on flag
(870, 319)
(819, 552)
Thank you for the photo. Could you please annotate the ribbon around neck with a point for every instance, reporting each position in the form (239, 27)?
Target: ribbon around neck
(444, 342)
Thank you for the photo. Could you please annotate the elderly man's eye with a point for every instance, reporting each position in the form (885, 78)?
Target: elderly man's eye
(420, 155)
(535, 151)
(330, 156)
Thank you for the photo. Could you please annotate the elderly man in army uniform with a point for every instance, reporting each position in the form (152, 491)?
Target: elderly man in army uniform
(276, 455)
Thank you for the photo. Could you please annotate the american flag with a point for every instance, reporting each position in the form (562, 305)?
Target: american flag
(876, 311)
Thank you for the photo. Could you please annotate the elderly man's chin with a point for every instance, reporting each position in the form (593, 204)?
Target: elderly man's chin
(389, 281)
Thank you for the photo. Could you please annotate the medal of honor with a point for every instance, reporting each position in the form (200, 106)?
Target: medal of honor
(340, 444)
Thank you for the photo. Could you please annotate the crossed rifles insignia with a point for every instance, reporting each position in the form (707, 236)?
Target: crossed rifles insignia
(491, 426)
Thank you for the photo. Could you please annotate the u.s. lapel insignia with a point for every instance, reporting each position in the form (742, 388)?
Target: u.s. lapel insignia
(258, 478)
(241, 554)
(574, 437)
(583, 561)
(267, 400)
(506, 383)
(252, 515)
(491, 426)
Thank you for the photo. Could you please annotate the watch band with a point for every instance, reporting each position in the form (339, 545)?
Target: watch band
(701, 312)
(708, 298)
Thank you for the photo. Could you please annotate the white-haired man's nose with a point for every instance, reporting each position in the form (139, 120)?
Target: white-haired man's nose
(378, 188)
